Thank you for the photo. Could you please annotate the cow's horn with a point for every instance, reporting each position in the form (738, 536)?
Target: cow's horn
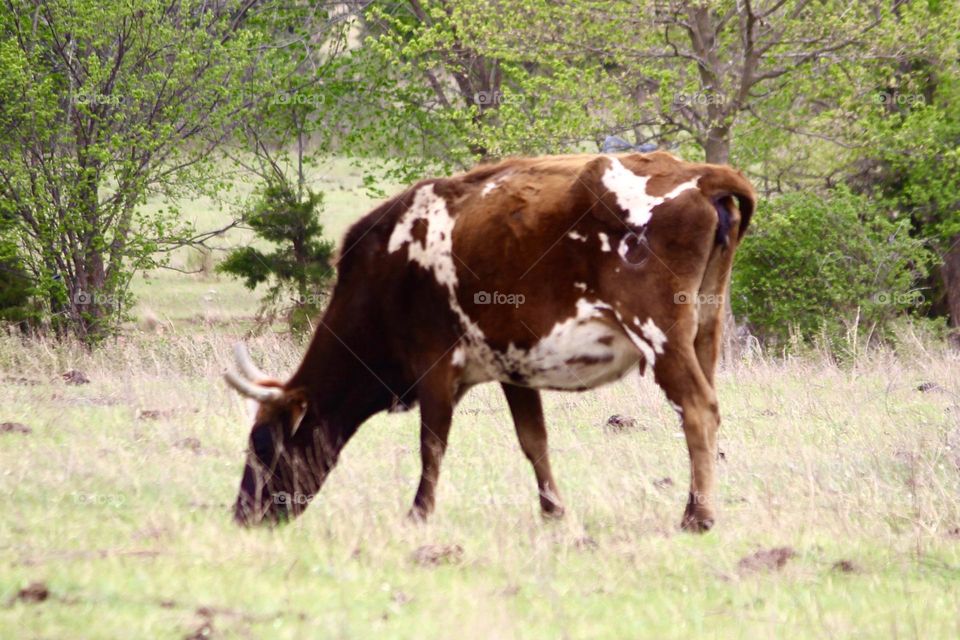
(251, 390)
(245, 364)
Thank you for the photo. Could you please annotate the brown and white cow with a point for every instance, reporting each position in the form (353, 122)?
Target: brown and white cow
(538, 273)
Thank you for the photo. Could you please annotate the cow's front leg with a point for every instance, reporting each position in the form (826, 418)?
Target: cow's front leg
(436, 413)
(678, 372)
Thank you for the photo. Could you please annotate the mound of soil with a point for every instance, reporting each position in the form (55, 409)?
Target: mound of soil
(766, 560)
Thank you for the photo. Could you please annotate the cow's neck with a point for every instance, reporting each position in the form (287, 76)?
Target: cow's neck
(341, 389)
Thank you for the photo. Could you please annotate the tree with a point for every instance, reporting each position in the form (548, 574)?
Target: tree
(298, 267)
(105, 104)
(909, 162)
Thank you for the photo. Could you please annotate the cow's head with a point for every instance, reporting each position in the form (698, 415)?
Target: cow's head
(287, 457)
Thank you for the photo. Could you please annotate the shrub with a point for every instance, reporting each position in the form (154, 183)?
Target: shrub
(826, 267)
(298, 269)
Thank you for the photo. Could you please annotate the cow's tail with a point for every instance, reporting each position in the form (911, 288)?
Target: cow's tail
(722, 185)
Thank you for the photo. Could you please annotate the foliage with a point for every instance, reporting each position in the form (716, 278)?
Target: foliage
(826, 267)
(298, 268)
(105, 104)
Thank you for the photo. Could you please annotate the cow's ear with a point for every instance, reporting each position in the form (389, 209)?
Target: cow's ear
(298, 410)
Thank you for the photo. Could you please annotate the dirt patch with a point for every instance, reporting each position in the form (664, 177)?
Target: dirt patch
(32, 593)
(617, 422)
(73, 376)
(154, 414)
(663, 483)
(15, 427)
(930, 387)
(766, 560)
(433, 555)
(845, 566)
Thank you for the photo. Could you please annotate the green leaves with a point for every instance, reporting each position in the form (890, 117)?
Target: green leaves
(816, 266)
(298, 268)
(104, 104)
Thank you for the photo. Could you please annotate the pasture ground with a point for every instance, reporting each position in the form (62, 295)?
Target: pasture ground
(838, 503)
(117, 503)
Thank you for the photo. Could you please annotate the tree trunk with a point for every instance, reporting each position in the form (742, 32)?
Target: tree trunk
(717, 145)
(951, 283)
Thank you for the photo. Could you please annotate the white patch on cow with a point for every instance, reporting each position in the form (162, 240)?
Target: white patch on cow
(653, 334)
(436, 253)
(491, 185)
(580, 285)
(604, 242)
(583, 351)
(436, 256)
(573, 235)
(459, 357)
(624, 247)
(642, 345)
(631, 192)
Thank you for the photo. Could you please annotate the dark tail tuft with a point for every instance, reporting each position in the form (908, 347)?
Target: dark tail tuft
(722, 185)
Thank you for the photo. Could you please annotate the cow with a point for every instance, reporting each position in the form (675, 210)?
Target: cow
(557, 272)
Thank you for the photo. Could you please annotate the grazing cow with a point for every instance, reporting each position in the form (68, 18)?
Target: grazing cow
(538, 273)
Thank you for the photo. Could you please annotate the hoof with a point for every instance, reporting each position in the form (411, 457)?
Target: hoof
(552, 512)
(697, 524)
(698, 516)
(416, 515)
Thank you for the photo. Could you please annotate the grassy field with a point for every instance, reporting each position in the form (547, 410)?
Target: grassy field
(117, 500)
(839, 511)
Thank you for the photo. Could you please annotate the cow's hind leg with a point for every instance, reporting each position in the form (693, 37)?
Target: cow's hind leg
(436, 413)
(679, 373)
(527, 412)
(711, 303)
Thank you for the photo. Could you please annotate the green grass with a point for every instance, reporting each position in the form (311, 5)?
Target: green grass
(128, 525)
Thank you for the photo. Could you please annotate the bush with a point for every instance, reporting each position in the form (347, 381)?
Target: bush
(826, 267)
(298, 268)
